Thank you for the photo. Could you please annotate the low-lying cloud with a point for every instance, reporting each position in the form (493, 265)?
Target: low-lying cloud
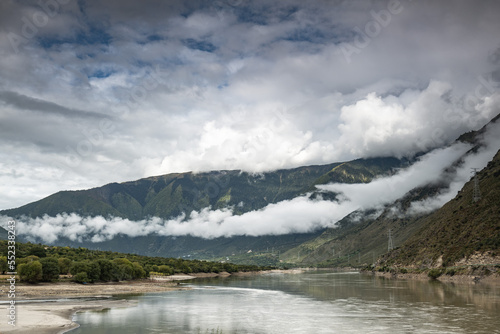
(299, 215)
(302, 214)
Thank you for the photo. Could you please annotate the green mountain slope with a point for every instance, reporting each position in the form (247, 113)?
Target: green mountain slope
(359, 238)
(3, 234)
(459, 229)
(362, 237)
(169, 195)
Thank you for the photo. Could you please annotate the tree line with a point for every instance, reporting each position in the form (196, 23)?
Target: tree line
(40, 263)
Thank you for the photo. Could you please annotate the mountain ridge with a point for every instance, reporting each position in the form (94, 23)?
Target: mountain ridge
(169, 195)
(361, 235)
(359, 239)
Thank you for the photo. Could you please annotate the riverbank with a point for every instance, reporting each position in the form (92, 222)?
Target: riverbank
(493, 279)
(47, 308)
(74, 290)
(53, 317)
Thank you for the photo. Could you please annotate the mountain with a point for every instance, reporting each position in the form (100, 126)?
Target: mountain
(362, 236)
(358, 239)
(3, 234)
(464, 231)
(168, 196)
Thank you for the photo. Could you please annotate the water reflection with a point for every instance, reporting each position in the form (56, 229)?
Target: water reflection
(314, 302)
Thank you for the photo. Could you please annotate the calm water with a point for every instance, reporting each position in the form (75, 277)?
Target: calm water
(313, 302)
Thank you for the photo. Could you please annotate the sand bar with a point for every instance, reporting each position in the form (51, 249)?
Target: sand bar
(48, 308)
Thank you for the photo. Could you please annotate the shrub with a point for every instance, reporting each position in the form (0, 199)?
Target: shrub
(450, 272)
(38, 250)
(64, 265)
(106, 270)
(3, 264)
(165, 269)
(434, 273)
(138, 271)
(94, 271)
(30, 272)
(50, 269)
(78, 267)
(81, 277)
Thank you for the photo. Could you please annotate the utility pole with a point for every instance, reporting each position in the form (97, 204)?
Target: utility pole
(476, 193)
(390, 245)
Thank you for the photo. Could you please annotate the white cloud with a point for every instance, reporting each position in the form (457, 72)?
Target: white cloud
(299, 215)
(410, 123)
(413, 86)
(463, 174)
(428, 170)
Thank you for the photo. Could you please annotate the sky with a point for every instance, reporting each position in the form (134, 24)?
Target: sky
(93, 92)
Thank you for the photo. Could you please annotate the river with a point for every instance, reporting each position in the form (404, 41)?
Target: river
(311, 302)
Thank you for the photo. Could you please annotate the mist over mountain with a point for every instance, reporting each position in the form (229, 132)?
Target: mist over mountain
(226, 212)
(362, 236)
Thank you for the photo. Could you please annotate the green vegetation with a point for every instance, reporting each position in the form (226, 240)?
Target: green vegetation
(168, 195)
(434, 273)
(455, 232)
(89, 266)
(30, 272)
(458, 230)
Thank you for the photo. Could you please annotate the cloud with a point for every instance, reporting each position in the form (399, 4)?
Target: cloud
(463, 173)
(302, 214)
(407, 124)
(299, 215)
(428, 170)
(23, 102)
(226, 70)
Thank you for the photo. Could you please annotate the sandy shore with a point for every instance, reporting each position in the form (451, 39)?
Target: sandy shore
(35, 316)
(53, 317)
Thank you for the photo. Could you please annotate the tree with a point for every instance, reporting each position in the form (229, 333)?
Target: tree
(3, 264)
(81, 277)
(125, 269)
(166, 269)
(27, 259)
(30, 272)
(186, 269)
(50, 269)
(106, 270)
(64, 265)
(139, 272)
(94, 271)
(38, 250)
(78, 267)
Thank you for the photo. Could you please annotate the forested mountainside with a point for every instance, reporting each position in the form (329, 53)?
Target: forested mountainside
(169, 195)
